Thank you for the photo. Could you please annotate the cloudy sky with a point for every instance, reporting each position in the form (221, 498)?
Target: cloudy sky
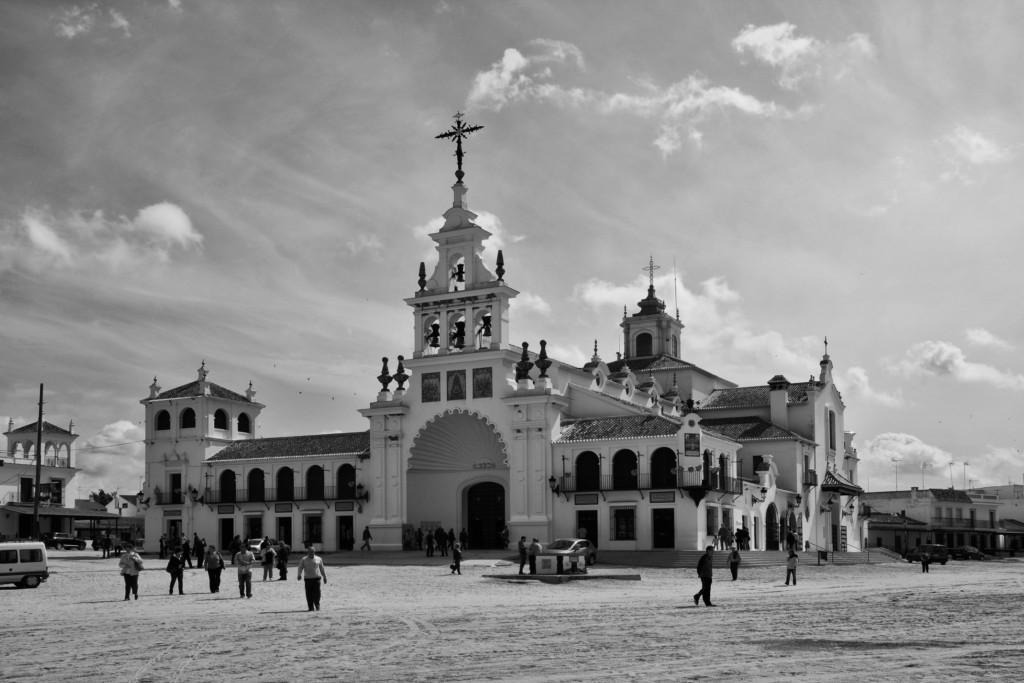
(253, 183)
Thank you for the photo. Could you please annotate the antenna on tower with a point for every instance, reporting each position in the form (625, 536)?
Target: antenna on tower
(675, 286)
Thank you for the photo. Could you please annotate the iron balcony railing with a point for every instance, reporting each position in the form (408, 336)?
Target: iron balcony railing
(962, 523)
(644, 482)
(269, 494)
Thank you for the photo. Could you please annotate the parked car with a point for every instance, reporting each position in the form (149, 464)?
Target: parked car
(967, 552)
(937, 552)
(572, 546)
(61, 541)
(255, 543)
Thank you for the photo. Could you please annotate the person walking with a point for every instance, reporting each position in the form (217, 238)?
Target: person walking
(791, 562)
(790, 541)
(163, 547)
(419, 538)
(199, 550)
(926, 559)
(186, 553)
(234, 546)
(464, 539)
(245, 560)
(131, 565)
(734, 562)
(441, 539)
(429, 539)
(705, 572)
(176, 568)
(451, 538)
(214, 566)
(366, 539)
(282, 561)
(312, 567)
(457, 559)
(268, 556)
(522, 553)
(534, 552)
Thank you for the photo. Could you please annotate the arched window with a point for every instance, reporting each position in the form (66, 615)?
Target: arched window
(187, 420)
(315, 483)
(227, 487)
(832, 430)
(723, 471)
(624, 470)
(220, 419)
(244, 425)
(708, 458)
(588, 472)
(644, 344)
(663, 469)
(257, 486)
(675, 346)
(346, 482)
(163, 421)
(285, 484)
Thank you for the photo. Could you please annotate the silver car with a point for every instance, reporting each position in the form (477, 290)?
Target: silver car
(573, 546)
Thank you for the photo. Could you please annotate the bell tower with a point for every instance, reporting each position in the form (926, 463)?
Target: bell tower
(651, 331)
(462, 306)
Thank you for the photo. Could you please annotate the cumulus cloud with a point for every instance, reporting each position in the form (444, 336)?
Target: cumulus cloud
(978, 336)
(917, 458)
(966, 151)
(73, 21)
(112, 458)
(856, 379)
(529, 304)
(76, 20)
(801, 57)
(81, 240)
(943, 359)
(677, 109)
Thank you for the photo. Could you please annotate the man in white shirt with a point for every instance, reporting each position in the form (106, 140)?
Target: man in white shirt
(312, 567)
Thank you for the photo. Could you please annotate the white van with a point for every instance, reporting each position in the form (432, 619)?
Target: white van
(23, 563)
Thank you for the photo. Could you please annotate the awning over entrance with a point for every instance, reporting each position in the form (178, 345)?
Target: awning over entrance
(836, 483)
(74, 513)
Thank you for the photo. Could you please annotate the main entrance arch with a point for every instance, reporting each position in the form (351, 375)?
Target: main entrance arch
(485, 514)
(457, 477)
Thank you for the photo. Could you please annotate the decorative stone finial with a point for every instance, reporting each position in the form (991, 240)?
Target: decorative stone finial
(384, 378)
(154, 389)
(202, 371)
(500, 270)
(524, 365)
(250, 392)
(423, 276)
(400, 375)
(542, 360)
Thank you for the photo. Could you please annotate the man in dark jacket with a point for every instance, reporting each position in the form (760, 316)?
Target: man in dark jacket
(522, 553)
(704, 572)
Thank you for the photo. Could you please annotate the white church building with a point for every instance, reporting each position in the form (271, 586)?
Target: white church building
(468, 430)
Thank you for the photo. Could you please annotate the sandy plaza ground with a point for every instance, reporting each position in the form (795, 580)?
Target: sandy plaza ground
(412, 620)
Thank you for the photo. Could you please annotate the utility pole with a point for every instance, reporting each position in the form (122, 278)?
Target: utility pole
(39, 468)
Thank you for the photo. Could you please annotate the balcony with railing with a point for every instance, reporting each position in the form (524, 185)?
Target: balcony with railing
(947, 523)
(268, 494)
(645, 482)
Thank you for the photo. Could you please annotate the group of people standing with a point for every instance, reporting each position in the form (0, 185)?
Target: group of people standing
(443, 541)
(310, 568)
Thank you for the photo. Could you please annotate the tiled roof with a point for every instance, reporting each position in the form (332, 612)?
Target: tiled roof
(886, 518)
(622, 427)
(834, 481)
(48, 428)
(951, 496)
(745, 397)
(348, 443)
(748, 429)
(194, 389)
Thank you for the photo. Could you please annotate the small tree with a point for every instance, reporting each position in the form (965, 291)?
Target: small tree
(103, 498)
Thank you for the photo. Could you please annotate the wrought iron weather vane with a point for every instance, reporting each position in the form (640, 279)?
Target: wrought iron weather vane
(459, 132)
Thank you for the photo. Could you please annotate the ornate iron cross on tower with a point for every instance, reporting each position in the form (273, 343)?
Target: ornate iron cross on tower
(459, 131)
(651, 268)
